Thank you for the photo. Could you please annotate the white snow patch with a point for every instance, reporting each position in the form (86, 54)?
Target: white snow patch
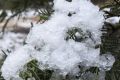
(46, 42)
(11, 41)
(113, 20)
(16, 62)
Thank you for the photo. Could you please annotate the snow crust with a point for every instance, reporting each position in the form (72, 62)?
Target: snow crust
(46, 42)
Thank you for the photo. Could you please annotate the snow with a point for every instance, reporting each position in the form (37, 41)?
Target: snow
(46, 42)
(13, 65)
(106, 9)
(106, 61)
(11, 41)
(113, 20)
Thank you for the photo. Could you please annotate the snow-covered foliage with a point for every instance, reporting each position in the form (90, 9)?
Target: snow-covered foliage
(48, 45)
(11, 41)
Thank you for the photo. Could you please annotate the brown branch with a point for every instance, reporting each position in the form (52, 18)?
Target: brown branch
(5, 25)
(117, 2)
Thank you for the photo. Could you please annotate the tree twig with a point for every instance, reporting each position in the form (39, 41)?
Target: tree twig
(5, 25)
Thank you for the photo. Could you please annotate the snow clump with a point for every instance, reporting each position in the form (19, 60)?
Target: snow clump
(47, 44)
